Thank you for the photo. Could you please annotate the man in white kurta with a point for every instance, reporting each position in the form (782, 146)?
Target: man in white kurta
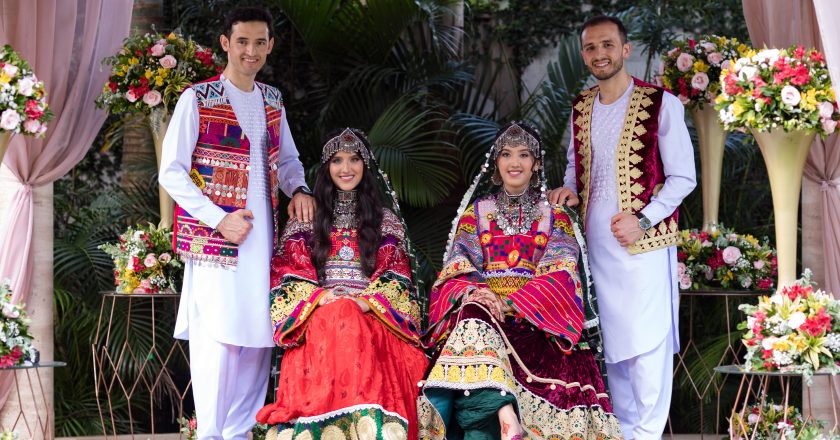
(637, 294)
(224, 312)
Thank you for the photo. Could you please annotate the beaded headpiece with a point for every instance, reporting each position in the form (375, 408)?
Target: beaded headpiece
(513, 136)
(348, 142)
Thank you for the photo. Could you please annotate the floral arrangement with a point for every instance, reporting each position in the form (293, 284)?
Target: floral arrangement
(786, 88)
(9, 435)
(794, 330)
(774, 422)
(724, 259)
(188, 427)
(15, 339)
(692, 68)
(143, 262)
(152, 70)
(23, 103)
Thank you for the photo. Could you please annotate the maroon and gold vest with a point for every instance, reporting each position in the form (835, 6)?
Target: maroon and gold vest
(638, 164)
(220, 166)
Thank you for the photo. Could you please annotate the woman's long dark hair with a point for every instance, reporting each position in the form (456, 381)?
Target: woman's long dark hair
(368, 213)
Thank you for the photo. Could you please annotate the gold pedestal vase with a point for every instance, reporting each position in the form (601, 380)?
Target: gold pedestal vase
(159, 122)
(711, 138)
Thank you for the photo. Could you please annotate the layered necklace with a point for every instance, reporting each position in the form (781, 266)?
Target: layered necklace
(515, 213)
(344, 209)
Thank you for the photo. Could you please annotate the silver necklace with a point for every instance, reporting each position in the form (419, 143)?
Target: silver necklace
(344, 209)
(516, 213)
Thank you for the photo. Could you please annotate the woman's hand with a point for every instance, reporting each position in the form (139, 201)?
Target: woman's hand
(362, 305)
(489, 300)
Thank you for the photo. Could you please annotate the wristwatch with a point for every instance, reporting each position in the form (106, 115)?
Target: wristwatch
(644, 222)
(302, 189)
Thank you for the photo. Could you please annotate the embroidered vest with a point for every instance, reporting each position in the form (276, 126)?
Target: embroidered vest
(638, 164)
(220, 167)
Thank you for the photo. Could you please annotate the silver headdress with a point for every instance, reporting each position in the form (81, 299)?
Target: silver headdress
(346, 141)
(514, 136)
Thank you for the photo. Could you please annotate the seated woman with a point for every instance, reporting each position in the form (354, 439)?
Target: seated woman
(508, 312)
(342, 305)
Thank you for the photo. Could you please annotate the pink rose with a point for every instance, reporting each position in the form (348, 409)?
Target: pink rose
(9, 120)
(158, 50)
(826, 109)
(685, 281)
(168, 62)
(162, 42)
(725, 64)
(131, 96)
(673, 52)
(10, 70)
(680, 269)
(165, 258)
(700, 81)
(152, 98)
(715, 58)
(758, 264)
(146, 285)
(730, 255)
(32, 126)
(684, 62)
(829, 125)
(150, 260)
(708, 46)
(10, 312)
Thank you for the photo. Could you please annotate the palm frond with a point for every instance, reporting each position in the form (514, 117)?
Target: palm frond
(409, 143)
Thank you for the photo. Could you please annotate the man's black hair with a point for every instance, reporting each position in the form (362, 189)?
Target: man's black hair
(249, 13)
(603, 19)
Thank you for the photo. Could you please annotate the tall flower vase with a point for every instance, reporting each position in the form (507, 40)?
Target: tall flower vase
(785, 155)
(711, 137)
(159, 122)
(5, 137)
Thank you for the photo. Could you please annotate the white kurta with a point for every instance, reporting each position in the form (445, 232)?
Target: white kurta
(637, 294)
(231, 305)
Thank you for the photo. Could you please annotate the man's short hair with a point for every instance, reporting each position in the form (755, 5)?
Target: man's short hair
(249, 13)
(603, 19)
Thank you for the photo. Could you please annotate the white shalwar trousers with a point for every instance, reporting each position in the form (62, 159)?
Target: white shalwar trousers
(641, 391)
(229, 385)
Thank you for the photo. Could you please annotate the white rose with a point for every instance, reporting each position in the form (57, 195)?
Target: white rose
(796, 319)
(746, 282)
(700, 81)
(752, 419)
(829, 125)
(9, 120)
(748, 72)
(26, 85)
(767, 343)
(790, 96)
(768, 56)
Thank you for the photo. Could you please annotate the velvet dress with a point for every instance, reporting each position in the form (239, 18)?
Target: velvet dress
(535, 358)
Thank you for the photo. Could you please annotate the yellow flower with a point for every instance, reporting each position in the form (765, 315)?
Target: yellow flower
(808, 100)
(700, 66)
(171, 36)
(158, 81)
(163, 72)
(781, 345)
(666, 82)
(737, 108)
(132, 61)
(4, 79)
(719, 98)
(148, 74)
(729, 276)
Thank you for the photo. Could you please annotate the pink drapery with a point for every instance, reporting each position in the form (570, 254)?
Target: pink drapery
(64, 42)
(813, 23)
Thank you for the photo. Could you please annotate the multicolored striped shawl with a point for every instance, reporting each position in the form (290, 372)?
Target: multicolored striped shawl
(535, 272)
(639, 170)
(220, 165)
(296, 291)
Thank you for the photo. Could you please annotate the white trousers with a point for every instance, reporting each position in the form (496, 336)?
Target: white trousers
(641, 391)
(229, 385)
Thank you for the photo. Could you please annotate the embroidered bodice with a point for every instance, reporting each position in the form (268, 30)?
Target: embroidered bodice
(343, 272)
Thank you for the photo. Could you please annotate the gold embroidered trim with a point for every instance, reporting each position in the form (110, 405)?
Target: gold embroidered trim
(584, 136)
(626, 158)
(657, 237)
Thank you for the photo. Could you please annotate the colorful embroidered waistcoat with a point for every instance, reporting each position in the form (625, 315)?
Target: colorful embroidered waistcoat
(638, 164)
(220, 168)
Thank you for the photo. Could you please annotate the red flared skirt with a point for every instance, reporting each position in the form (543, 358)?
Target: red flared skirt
(349, 367)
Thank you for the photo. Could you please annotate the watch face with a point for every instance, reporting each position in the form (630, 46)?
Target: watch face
(644, 223)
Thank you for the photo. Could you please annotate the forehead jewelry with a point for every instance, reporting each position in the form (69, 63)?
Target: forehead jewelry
(348, 142)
